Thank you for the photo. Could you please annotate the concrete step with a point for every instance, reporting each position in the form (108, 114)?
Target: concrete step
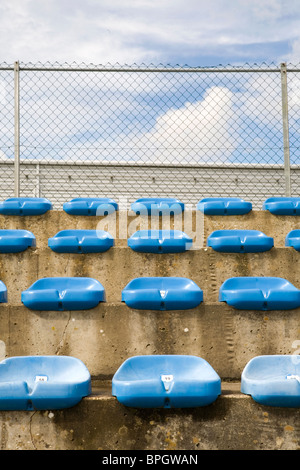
(105, 336)
(99, 422)
(124, 223)
(119, 265)
(110, 333)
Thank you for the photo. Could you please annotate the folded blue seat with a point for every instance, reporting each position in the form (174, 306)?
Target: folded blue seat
(90, 206)
(293, 239)
(224, 206)
(259, 293)
(157, 206)
(63, 293)
(162, 293)
(42, 382)
(273, 380)
(25, 206)
(160, 241)
(166, 381)
(15, 241)
(240, 241)
(3, 293)
(81, 241)
(282, 205)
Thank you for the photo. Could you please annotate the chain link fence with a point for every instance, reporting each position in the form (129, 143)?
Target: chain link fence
(7, 144)
(70, 130)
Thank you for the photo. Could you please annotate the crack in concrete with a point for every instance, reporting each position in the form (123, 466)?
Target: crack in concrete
(67, 264)
(30, 430)
(60, 344)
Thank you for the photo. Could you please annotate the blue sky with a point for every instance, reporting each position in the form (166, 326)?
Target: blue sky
(225, 119)
(193, 32)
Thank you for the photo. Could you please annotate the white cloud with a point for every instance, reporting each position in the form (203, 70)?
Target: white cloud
(195, 133)
(294, 56)
(261, 100)
(141, 31)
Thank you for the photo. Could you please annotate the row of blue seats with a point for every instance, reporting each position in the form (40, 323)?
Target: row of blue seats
(145, 241)
(158, 293)
(153, 381)
(153, 206)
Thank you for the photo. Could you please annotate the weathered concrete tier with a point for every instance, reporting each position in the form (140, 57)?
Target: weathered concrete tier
(99, 422)
(105, 336)
(119, 265)
(124, 223)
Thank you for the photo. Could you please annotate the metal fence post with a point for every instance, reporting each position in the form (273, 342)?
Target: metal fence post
(285, 123)
(17, 127)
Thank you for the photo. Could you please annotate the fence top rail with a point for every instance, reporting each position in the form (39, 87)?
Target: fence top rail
(264, 68)
(134, 164)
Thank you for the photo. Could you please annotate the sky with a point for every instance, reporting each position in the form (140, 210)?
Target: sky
(192, 32)
(158, 118)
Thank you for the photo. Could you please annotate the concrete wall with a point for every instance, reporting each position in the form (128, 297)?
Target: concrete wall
(123, 224)
(105, 336)
(233, 422)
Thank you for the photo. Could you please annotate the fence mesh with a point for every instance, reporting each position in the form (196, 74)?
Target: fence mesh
(294, 128)
(149, 131)
(7, 132)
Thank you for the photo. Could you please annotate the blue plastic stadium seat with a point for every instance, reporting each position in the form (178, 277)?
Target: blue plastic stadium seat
(25, 206)
(239, 241)
(81, 241)
(273, 380)
(63, 293)
(224, 206)
(282, 205)
(157, 206)
(42, 382)
(160, 241)
(170, 381)
(259, 293)
(3, 293)
(293, 239)
(15, 241)
(162, 293)
(90, 206)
